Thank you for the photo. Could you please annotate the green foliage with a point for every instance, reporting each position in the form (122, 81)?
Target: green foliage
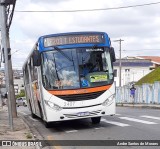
(29, 136)
(151, 77)
(21, 94)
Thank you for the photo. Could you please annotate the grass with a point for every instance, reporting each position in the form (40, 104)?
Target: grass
(151, 77)
(28, 136)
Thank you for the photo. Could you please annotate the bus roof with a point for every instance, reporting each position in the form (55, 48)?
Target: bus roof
(73, 33)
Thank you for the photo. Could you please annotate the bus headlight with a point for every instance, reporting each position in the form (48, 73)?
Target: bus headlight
(108, 100)
(53, 105)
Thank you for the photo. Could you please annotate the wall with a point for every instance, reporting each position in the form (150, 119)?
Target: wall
(146, 93)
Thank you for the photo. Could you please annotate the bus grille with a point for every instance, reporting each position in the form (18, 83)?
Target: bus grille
(80, 97)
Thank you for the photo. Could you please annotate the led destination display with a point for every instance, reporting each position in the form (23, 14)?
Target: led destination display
(73, 39)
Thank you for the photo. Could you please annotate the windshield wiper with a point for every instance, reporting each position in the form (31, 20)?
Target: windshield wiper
(60, 51)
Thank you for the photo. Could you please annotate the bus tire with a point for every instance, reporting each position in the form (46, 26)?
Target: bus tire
(47, 124)
(40, 110)
(96, 120)
(33, 115)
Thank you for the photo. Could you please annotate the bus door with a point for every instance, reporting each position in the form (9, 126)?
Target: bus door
(36, 97)
(27, 88)
(35, 90)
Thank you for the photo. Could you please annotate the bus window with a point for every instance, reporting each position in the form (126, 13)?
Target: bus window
(95, 66)
(33, 70)
(26, 74)
(59, 71)
(67, 68)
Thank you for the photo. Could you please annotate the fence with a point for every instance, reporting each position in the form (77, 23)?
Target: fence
(146, 93)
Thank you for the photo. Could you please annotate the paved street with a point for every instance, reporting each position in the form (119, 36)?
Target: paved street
(128, 124)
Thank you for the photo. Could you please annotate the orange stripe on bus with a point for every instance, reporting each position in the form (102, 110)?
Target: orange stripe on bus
(79, 91)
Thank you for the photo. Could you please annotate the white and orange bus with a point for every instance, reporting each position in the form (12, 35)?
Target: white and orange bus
(70, 76)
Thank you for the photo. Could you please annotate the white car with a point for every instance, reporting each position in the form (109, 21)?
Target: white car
(21, 102)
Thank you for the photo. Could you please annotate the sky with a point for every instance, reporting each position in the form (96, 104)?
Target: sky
(139, 27)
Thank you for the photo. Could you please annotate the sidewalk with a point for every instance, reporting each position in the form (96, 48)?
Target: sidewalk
(139, 105)
(21, 130)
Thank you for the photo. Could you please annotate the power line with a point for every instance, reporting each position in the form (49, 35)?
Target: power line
(84, 10)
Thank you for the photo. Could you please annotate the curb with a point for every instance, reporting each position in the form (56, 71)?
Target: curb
(138, 106)
(35, 133)
(28, 128)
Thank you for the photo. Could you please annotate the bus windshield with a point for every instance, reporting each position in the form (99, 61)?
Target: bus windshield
(76, 68)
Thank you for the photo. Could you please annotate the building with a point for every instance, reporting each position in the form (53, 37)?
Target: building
(132, 70)
(18, 85)
(154, 59)
(18, 81)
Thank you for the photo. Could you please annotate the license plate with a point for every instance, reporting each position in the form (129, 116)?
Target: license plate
(83, 114)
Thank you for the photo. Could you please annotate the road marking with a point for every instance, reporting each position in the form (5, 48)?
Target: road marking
(54, 147)
(23, 113)
(152, 117)
(137, 120)
(99, 128)
(70, 131)
(33, 119)
(115, 123)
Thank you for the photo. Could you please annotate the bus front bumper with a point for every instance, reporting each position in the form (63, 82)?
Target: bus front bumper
(79, 113)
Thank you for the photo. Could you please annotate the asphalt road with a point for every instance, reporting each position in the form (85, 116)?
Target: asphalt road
(127, 124)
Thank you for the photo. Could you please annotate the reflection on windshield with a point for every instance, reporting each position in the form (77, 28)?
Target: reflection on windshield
(76, 68)
(58, 71)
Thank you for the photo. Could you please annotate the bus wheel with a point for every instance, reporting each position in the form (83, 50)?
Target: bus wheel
(40, 110)
(33, 115)
(47, 124)
(96, 120)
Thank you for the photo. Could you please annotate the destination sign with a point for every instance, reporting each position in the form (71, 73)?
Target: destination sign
(73, 39)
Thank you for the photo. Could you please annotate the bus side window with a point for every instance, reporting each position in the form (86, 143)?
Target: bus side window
(48, 74)
(26, 75)
(34, 74)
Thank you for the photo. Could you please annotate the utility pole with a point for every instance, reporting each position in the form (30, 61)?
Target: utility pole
(7, 57)
(120, 62)
(0, 63)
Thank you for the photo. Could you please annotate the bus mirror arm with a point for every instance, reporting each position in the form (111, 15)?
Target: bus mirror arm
(36, 58)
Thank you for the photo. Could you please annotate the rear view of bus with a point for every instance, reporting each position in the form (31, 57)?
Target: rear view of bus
(70, 76)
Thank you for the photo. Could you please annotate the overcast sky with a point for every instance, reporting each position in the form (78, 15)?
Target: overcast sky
(139, 27)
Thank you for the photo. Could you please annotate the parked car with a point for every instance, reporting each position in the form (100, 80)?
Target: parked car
(21, 102)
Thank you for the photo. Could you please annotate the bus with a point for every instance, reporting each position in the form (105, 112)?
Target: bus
(70, 76)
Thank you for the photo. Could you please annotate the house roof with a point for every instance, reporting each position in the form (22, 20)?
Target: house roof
(133, 63)
(153, 59)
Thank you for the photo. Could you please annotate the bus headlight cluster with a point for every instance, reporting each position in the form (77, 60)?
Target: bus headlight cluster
(108, 100)
(53, 105)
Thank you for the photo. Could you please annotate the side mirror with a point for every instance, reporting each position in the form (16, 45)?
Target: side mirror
(36, 58)
(113, 57)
